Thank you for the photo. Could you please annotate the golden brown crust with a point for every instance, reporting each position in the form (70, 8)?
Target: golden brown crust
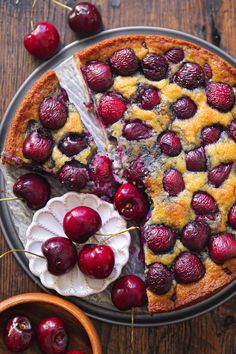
(103, 50)
(27, 111)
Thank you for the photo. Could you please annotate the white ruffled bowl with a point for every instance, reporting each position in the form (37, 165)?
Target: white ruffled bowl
(47, 222)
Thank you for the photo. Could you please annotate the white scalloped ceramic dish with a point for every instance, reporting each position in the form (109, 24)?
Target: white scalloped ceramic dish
(47, 222)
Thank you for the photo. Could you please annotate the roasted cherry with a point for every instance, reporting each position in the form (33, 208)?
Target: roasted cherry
(190, 76)
(53, 113)
(111, 108)
(170, 144)
(74, 352)
(155, 67)
(173, 182)
(73, 177)
(188, 268)
(131, 202)
(137, 171)
(43, 42)
(211, 134)
(195, 235)
(222, 247)
(219, 174)
(61, 255)
(124, 62)
(85, 19)
(159, 278)
(232, 216)
(37, 146)
(175, 55)
(73, 144)
(136, 130)
(220, 96)
(196, 160)
(18, 334)
(203, 204)
(184, 108)
(33, 189)
(149, 98)
(80, 223)
(96, 261)
(127, 292)
(52, 336)
(160, 238)
(98, 76)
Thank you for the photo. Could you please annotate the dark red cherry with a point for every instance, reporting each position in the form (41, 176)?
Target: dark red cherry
(96, 261)
(73, 144)
(155, 67)
(53, 113)
(136, 130)
(136, 171)
(222, 247)
(220, 96)
(211, 134)
(232, 217)
(195, 235)
(196, 160)
(190, 76)
(207, 71)
(62, 96)
(52, 336)
(184, 108)
(73, 177)
(18, 334)
(124, 62)
(159, 278)
(160, 239)
(170, 144)
(37, 146)
(80, 223)
(173, 182)
(175, 55)
(203, 204)
(188, 268)
(74, 352)
(85, 19)
(149, 98)
(61, 255)
(219, 174)
(101, 174)
(127, 292)
(33, 189)
(111, 108)
(232, 130)
(98, 76)
(131, 202)
(44, 41)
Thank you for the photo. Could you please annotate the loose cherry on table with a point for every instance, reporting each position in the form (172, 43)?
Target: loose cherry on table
(80, 223)
(131, 202)
(52, 336)
(43, 41)
(33, 189)
(128, 291)
(18, 334)
(96, 261)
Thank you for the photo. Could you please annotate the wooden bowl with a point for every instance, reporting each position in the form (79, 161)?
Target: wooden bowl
(81, 331)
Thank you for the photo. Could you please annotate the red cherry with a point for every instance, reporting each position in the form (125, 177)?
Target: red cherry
(195, 235)
(190, 76)
(96, 261)
(74, 352)
(219, 174)
(170, 144)
(160, 239)
(188, 268)
(232, 130)
(127, 292)
(18, 334)
(73, 144)
(159, 278)
(196, 160)
(124, 61)
(131, 202)
(232, 216)
(61, 255)
(52, 336)
(80, 223)
(203, 204)
(149, 98)
(175, 55)
(211, 134)
(37, 146)
(33, 189)
(53, 113)
(111, 108)
(184, 108)
(85, 19)
(136, 171)
(136, 130)
(155, 67)
(220, 96)
(222, 247)
(43, 42)
(173, 182)
(207, 71)
(98, 76)
(73, 176)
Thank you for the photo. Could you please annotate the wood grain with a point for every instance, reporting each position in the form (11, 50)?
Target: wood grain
(213, 20)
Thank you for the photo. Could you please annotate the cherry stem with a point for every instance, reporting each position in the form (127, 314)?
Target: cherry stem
(62, 5)
(8, 199)
(32, 15)
(120, 232)
(20, 251)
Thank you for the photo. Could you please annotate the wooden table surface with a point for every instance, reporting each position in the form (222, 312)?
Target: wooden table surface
(213, 20)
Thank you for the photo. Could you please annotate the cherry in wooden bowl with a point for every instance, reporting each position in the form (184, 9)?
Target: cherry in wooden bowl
(37, 306)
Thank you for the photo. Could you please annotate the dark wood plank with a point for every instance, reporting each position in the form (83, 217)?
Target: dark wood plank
(213, 20)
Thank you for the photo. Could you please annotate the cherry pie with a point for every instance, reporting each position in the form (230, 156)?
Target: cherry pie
(168, 109)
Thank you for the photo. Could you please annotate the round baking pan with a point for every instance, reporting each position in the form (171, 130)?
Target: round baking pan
(9, 229)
